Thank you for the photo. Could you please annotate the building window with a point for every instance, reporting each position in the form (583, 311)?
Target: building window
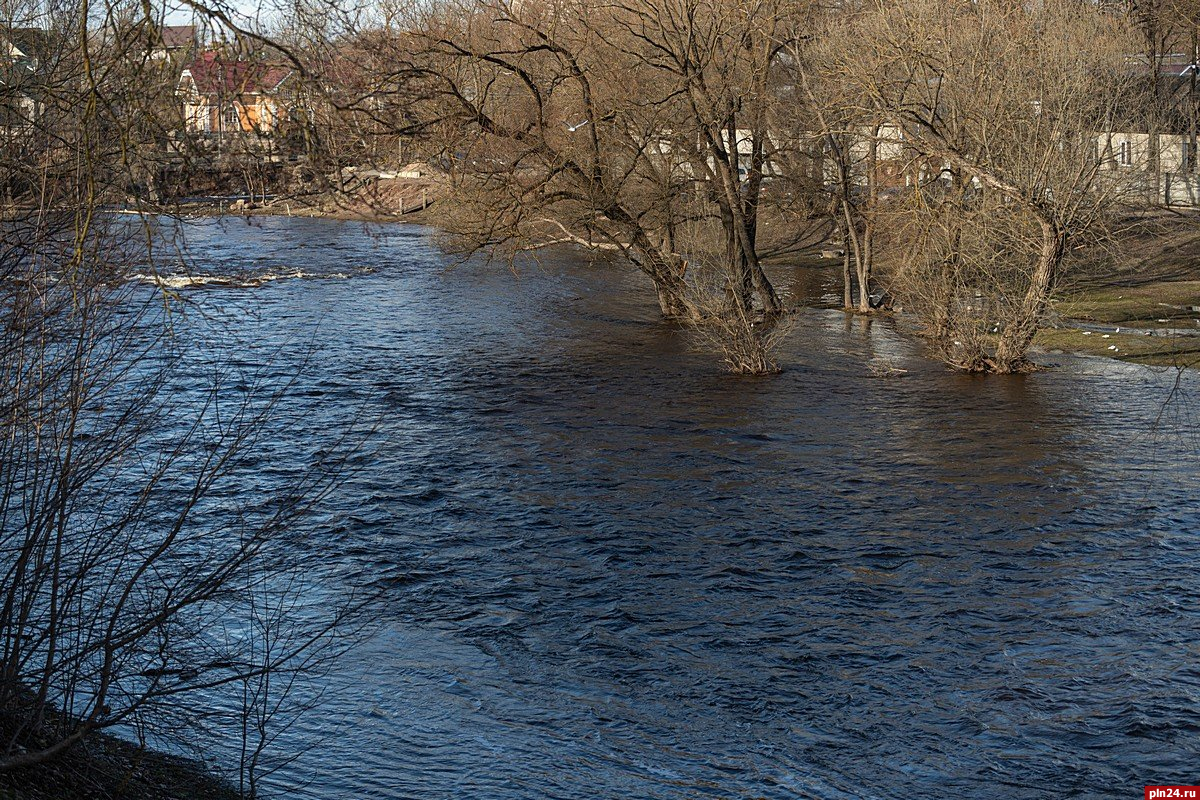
(1187, 160)
(1125, 154)
(233, 120)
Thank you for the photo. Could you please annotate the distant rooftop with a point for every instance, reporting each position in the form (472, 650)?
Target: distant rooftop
(213, 74)
(178, 36)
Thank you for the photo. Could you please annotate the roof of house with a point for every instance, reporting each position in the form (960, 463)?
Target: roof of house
(32, 43)
(178, 35)
(213, 74)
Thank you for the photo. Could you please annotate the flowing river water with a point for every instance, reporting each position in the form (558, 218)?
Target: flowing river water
(611, 571)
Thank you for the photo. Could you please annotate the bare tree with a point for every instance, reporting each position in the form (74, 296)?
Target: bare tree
(639, 129)
(1001, 134)
(534, 116)
(849, 136)
(723, 60)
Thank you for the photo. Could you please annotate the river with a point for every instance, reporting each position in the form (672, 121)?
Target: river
(612, 571)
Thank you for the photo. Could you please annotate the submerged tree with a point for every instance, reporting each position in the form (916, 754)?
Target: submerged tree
(641, 129)
(1005, 175)
(722, 60)
(842, 139)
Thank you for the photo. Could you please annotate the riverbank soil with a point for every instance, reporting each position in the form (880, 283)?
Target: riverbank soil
(381, 200)
(1138, 301)
(386, 199)
(107, 768)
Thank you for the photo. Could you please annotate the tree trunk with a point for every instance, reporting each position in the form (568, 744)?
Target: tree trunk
(671, 288)
(750, 205)
(1018, 335)
(667, 272)
(853, 249)
(673, 301)
(866, 255)
(739, 281)
(1151, 32)
(740, 229)
(665, 268)
(865, 262)
(762, 285)
(847, 280)
(1193, 114)
(1154, 185)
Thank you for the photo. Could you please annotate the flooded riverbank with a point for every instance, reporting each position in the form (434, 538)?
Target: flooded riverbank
(612, 571)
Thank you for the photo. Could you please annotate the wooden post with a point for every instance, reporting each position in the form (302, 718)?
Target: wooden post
(423, 203)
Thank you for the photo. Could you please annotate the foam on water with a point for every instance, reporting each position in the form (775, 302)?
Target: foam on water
(181, 281)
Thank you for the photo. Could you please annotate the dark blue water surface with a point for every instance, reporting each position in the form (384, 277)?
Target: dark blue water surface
(611, 571)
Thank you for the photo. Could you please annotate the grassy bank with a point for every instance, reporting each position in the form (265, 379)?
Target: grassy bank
(1139, 302)
(1141, 347)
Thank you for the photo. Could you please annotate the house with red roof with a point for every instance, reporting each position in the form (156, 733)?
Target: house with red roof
(225, 95)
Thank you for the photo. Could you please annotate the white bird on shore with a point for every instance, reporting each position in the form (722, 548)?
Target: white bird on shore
(572, 128)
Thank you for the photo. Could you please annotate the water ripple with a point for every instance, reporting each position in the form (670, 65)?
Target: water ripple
(613, 572)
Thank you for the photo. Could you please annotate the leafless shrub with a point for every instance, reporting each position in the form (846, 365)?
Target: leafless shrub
(745, 341)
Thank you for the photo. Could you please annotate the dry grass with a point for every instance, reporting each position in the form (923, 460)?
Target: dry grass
(1160, 303)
